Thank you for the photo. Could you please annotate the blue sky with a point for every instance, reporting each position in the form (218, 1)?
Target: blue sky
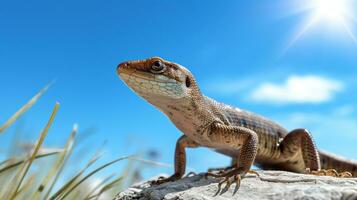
(275, 58)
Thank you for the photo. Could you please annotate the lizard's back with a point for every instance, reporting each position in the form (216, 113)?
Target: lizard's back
(269, 132)
(239, 117)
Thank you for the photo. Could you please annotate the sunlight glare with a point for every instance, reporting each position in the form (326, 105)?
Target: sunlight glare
(336, 13)
(331, 10)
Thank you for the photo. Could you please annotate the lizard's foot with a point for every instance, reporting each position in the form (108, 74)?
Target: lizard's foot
(329, 172)
(223, 171)
(230, 176)
(162, 179)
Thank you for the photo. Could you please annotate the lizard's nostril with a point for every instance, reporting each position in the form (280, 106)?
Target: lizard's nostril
(121, 66)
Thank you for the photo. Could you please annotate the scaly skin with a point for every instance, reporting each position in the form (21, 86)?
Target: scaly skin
(245, 136)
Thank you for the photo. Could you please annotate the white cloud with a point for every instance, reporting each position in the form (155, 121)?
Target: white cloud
(298, 89)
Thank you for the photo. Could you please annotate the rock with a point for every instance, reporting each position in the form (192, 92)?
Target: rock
(272, 185)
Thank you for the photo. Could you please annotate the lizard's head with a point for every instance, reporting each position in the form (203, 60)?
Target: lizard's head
(155, 78)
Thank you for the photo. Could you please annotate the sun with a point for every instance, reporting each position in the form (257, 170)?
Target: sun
(335, 13)
(331, 10)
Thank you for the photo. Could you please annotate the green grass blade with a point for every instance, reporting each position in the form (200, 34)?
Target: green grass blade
(27, 186)
(69, 146)
(56, 167)
(27, 165)
(91, 174)
(23, 109)
(14, 162)
(72, 180)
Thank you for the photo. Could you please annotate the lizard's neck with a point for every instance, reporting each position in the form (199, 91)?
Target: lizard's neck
(190, 114)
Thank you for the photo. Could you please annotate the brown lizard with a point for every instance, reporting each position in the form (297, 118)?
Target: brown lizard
(246, 137)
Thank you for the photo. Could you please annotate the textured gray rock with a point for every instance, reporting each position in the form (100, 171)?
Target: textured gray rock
(272, 185)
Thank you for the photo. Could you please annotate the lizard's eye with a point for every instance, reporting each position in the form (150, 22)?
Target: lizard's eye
(188, 82)
(158, 67)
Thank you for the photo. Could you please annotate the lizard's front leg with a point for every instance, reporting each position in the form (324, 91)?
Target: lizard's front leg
(235, 137)
(180, 159)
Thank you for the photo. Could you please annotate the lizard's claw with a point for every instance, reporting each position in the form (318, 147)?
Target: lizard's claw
(162, 179)
(230, 176)
(228, 180)
(237, 179)
(345, 174)
(222, 173)
(329, 172)
(253, 172)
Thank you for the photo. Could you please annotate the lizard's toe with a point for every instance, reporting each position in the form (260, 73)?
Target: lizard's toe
(230, 177)
(237, 180)
(330, 172)
(345, 174)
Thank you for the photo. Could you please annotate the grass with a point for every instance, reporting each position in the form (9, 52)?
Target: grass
(23, 178)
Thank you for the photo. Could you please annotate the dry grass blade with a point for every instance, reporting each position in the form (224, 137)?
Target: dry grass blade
(23, 172)
(14, 162)
(65, 187)
(22, 178)
(23, 109)
(27, 185)
(56, 167)
(69, 149)
(92, 173)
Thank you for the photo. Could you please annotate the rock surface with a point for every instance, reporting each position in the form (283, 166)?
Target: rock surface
(272, 185)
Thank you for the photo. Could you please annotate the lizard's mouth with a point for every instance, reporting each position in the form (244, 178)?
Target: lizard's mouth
(125, 73)
(135, 74)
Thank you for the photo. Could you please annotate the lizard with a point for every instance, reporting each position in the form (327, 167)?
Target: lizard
(250, 139)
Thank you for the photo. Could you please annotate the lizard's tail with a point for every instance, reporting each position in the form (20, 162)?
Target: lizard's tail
(330, 161)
